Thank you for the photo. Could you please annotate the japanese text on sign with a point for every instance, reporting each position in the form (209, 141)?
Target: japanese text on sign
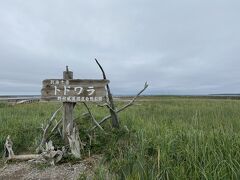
(74, 90)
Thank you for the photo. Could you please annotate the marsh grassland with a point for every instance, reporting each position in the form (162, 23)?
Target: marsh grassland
(160, 137)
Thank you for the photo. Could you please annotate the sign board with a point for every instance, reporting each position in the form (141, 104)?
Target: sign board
(74, 90)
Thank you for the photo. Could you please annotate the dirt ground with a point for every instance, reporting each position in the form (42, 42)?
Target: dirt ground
(66, 171)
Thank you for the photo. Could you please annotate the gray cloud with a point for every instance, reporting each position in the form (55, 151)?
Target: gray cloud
(179, 47)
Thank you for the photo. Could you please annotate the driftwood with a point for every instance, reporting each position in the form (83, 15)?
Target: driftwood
(121, 109)
(25, 157)
(93, 118)
(74, 141)
(8, 151)
(45, 131)
(72, 137)
(57, 126)
(49, 155)
(114, 116)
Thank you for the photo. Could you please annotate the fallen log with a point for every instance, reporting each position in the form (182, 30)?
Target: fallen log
(49, 155)
(25, 157)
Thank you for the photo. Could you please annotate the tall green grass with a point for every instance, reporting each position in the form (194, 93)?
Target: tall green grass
(165, 138)
(179, 139)
(23, 123)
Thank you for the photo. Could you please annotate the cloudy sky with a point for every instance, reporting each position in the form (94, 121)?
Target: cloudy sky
(178, 46)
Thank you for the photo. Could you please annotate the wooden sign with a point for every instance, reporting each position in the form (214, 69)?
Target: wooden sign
(74, 90)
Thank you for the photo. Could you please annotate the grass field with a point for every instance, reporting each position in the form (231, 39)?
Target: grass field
(160, 138)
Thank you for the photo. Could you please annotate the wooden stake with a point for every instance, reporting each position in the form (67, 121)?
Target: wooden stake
(67, 109)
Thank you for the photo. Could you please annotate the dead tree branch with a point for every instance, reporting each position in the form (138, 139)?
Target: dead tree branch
(122, 108)
(8, 148)
(106, 105)
(49, 155)
(93, 118)
(134, 99)
(114, 117)
(45, 131)
(74, 141)
(57, 126)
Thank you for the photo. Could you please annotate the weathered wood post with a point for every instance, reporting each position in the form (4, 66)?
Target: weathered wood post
(67, 109)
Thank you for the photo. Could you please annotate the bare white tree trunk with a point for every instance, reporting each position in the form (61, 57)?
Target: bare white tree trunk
(74, 141)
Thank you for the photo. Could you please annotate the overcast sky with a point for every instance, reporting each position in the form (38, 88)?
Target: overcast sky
(178, 46)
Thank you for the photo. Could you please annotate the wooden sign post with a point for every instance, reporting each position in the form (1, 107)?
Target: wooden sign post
(69, 91)
(67, 109)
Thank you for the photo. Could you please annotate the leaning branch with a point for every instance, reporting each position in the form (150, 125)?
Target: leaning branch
(56, 126)
(93, 118)
(105, 105)
(122, 108)
(45, 131)
(115, 121)
(134, 99)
